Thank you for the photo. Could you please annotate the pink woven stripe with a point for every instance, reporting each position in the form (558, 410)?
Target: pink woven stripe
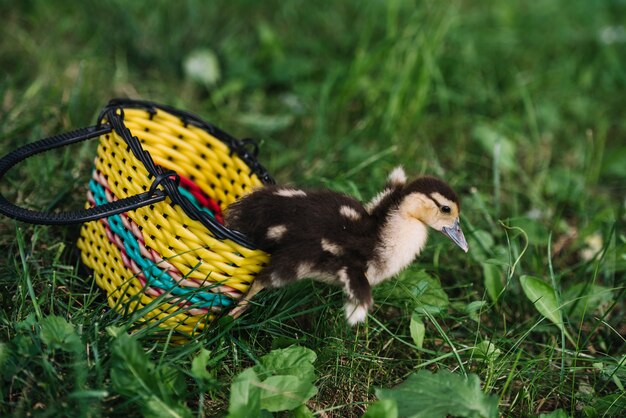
(132, 266)
(152, 254)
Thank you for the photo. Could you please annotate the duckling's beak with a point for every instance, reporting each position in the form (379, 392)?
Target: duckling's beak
(456, 235)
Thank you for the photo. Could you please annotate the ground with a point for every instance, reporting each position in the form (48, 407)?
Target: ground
(518, 105)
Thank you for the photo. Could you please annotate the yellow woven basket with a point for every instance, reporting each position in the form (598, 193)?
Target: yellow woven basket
(154, 235)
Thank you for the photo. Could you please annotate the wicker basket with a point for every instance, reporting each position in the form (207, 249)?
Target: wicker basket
(152, 230)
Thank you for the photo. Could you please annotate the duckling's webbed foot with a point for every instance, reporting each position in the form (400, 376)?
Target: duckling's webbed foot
(359, 294)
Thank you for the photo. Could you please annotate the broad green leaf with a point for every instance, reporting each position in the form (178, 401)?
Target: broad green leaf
(170, 382)
(486, 350)
(295, 360)
(415, 289)
(154, 407)
(283, 380)
(23, 345)
(492, 275)
(558, 413)
(27, 323)
(383, 408)
(284, 393)
(58, 333)
(158, 392)
(418, 330)
(245, 395)
(543, 296)
(585, 299)
(499, 147)
(426, 310)
(302, 411)
(428, 292)
(428, 395)
(473, 309)
(131, 371)
(199, 364)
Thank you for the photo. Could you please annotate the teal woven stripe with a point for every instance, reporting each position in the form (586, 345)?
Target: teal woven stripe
(155, 276)
(195, 202)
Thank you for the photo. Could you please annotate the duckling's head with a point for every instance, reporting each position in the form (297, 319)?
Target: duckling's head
(434, 203)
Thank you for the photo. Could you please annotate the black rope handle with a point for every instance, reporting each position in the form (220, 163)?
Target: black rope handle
(65, 218)
(114, 114)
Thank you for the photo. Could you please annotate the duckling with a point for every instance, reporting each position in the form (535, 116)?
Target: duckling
(332, 237)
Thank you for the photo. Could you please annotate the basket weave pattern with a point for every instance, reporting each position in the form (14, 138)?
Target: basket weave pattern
(156, 258)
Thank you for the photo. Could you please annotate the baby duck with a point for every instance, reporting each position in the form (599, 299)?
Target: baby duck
(331, 237)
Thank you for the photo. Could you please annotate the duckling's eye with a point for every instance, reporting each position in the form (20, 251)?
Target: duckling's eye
(445, 209)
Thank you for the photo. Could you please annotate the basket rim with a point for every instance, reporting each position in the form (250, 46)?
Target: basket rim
(113, 114)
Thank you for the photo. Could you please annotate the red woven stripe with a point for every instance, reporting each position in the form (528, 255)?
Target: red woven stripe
(202, 198)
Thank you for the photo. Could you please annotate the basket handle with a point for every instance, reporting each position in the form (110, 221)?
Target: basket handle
(7, 208)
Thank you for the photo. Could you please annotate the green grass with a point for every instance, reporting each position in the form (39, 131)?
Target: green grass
(519, 105)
